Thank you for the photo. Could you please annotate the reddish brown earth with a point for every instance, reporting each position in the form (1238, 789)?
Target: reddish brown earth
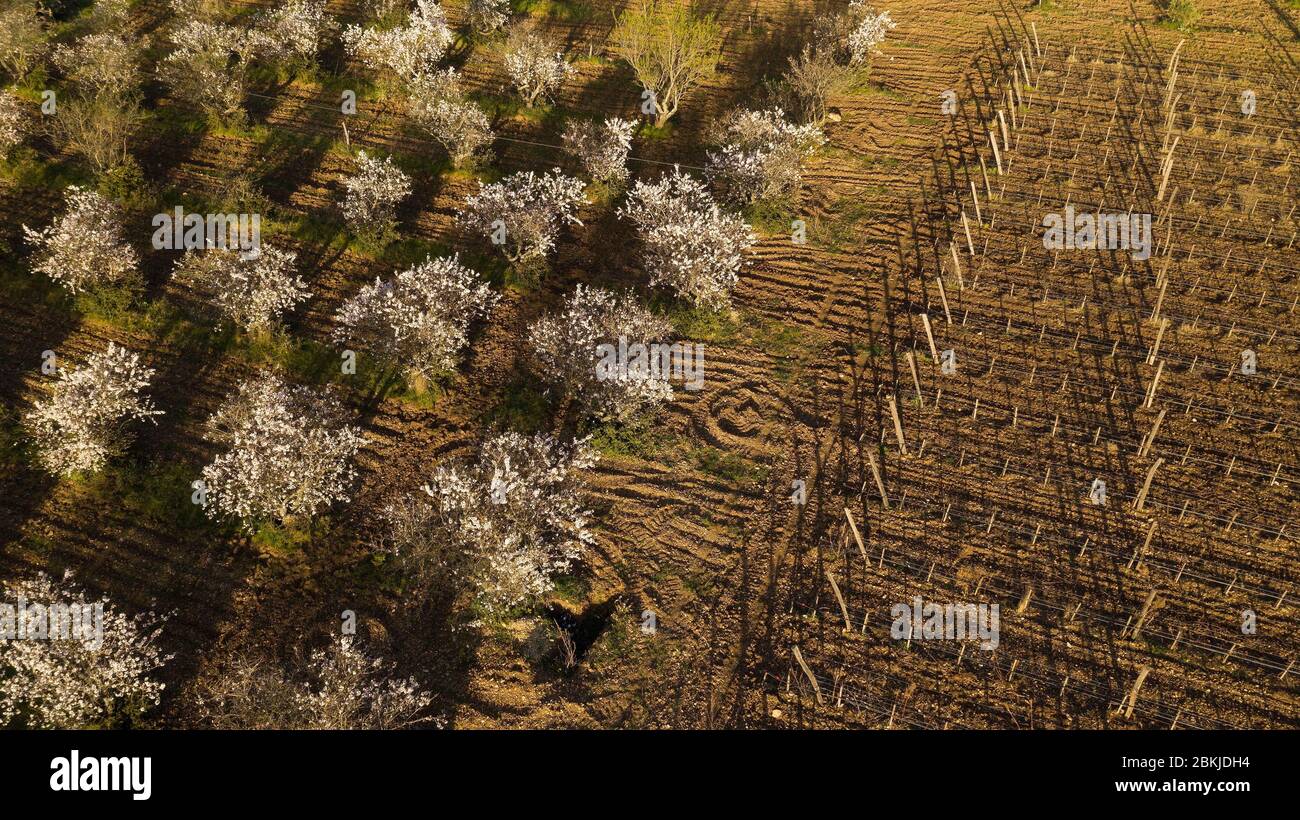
(696, 526)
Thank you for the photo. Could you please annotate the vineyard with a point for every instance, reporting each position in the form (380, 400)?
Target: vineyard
(909, 394)
(1072, 368)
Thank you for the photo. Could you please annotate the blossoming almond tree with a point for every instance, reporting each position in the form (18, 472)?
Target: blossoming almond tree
(75, 680)
(565, 350)
(208, 65)
(522, 214)
(437, 105)
(535, 65)
(103, 110)
(100, 65)
(854, 35)
(13, 122)
(602, 148)
(689, 244)
(84, 421)
(418, 321)
(84, 249)
(108, 15)
(287, 453)
(407, 50)
(506, 523)
(760, 155)
(351, 690)
(252, 288)
(344, 688)
(373, 193)
(295, 32)
(869, 30)
(486, 16)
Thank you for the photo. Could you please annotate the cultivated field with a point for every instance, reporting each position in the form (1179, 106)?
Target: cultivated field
(716, 593)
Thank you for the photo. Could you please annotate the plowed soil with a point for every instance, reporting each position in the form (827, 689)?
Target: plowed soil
(696, 522)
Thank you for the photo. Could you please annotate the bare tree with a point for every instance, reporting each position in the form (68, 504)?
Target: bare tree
(104, 110)
(385, 13)
(811, 79)
(98, 129)
(206, 10)
(22, 38)
(568, 649)
(671, 48)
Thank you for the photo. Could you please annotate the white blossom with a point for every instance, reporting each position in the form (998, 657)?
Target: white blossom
(288, 453)
(373, 192)
(110, 14)
(408, 50)
(296, 31)
(76, 680)
(761, 155)
(344, 688)
(564, 346)
(13, 122)
(437, 104)
(208, 64)
(83, 422)
(868, 32)
(690, 245)
(84, 247)
(535, 65)
(252, 289)
(419, 320)
(100, 65)
(854, 35)
(523, 213)
(601, 148)
(486, 16)
(506, 523)
(351, 691)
